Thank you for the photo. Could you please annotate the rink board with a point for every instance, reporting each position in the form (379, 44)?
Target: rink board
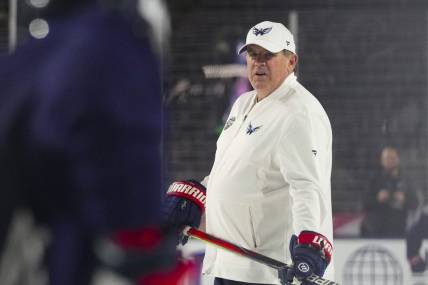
(357, 261)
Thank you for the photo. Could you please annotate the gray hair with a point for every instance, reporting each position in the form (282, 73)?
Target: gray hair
(287, 52)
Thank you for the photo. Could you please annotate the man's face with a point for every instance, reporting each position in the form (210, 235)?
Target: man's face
(266, 70)
(390, 159)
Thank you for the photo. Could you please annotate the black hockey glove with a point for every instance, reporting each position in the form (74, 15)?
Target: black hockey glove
(183, 206)
(311, 253)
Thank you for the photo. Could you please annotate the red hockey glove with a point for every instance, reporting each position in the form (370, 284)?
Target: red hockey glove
(146, 257)
(311, 253)
(138, 252)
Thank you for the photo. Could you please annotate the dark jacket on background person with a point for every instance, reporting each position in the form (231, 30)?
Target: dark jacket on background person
(387, 219)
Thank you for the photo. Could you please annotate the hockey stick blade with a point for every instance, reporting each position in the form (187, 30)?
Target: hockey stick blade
(275, 264)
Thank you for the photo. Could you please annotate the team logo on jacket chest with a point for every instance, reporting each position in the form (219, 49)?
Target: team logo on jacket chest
(229, 123)
(251, 129)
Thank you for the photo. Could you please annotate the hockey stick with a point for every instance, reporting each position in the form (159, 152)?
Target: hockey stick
(282, 268)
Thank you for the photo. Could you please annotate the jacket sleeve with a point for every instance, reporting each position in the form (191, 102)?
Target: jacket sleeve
(304, 154)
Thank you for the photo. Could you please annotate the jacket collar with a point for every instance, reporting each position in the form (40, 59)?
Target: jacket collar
(282, 90)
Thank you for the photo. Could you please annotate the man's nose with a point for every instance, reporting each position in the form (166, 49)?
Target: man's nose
(260, 62)
(260, 59)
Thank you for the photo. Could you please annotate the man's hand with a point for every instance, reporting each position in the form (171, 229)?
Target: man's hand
(400, 196)
(311, 253)
(184, 205)
(417, 264)
(383, 196)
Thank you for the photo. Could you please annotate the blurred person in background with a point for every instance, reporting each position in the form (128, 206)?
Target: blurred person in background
(80, 139)
(389, 199)
(415, 235)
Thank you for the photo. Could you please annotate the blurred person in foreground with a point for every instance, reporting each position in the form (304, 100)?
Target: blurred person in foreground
(269, 187)
(80, 140)
(389, 199)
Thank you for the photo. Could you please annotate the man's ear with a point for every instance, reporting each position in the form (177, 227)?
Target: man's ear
(292, 62)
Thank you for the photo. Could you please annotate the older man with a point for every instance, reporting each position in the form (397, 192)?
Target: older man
(269, 187)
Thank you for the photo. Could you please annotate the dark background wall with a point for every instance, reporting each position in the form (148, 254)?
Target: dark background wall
(364, 60)
(4, 28)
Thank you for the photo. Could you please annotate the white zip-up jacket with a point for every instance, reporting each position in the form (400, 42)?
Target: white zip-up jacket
(270, 179)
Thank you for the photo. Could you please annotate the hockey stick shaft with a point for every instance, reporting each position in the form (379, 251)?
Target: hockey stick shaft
(278, 265)
(210, 239)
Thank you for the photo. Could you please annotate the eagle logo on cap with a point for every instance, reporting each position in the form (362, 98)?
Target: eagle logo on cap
(261, 31)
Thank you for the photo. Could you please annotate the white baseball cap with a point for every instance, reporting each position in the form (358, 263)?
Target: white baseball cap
(271, 36)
